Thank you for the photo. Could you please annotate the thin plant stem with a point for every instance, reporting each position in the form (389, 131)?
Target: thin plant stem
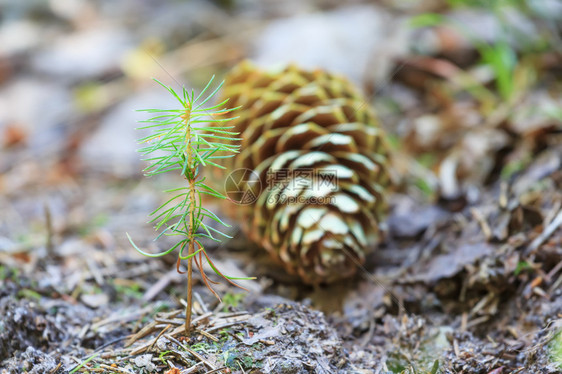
(189, 293)
(191, 179)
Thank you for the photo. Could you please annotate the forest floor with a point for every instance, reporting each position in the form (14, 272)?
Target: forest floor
(468, 276)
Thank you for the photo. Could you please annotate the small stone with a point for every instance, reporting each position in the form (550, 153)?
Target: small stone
(145, 361)
(162, 344)
(95, 301)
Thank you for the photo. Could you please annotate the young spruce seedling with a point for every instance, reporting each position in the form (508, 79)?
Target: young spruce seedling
(184, 141)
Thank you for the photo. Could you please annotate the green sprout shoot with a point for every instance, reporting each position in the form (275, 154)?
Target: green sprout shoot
(183, 141)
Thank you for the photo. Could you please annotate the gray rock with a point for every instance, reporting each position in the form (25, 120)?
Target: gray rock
(41, 108)
(145, 361)
(113, 147)
(95, 301)
(18, 36)
(83, 55)
(346, 41)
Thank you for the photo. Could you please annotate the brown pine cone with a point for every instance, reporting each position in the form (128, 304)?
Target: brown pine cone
(311, 170)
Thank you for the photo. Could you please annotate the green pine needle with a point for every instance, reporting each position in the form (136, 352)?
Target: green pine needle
(185, 140)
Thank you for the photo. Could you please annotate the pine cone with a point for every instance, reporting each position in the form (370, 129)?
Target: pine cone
(311, 169)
